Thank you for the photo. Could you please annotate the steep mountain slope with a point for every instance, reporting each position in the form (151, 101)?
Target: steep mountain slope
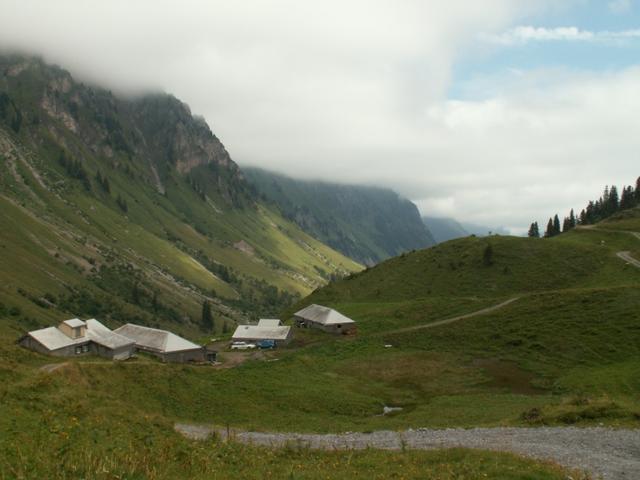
(133, 210)
(365, 223)
(444, 229)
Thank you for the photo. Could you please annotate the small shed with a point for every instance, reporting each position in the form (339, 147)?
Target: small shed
(165, 345)
(326, 319)
(266, 329)
(76, 337)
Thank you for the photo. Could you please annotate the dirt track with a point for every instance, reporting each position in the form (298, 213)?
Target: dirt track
(626, 256)
(453, 319)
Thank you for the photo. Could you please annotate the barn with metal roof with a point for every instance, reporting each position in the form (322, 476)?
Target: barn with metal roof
(76, 337)
(326, 319)
(266, 329)
(165, 345)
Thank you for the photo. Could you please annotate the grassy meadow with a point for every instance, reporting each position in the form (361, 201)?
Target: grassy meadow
(566, 352)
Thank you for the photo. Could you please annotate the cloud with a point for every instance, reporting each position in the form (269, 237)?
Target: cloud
(355, 91)
(620, 6)
(525, 34)
(546, 144)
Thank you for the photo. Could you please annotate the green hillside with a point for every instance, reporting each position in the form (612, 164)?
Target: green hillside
(564, 352)
(132, 210)
(367, 224)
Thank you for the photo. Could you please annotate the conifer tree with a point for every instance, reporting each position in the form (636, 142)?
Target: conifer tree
(534, 231)
(627, 199)
(572, 219)
(207, 317)
(556, 225)
(583, 217)
(549, 232)
(487, 256)
(135, 294)
(614, 201)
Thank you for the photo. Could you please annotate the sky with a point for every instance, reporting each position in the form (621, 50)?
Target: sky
(497, 112)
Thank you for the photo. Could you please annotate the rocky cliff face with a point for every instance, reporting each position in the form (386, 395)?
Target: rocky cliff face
(176, 136)
(157, 130)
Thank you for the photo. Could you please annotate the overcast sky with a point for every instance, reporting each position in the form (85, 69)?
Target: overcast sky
(497, 112)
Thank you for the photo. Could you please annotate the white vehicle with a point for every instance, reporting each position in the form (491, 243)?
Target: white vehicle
(242, 346)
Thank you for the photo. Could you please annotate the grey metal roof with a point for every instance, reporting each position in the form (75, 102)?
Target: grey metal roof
(269, 322)
(258, 332)
(100, 334)
(323, 315)
(154, 339)
(53, 338)
(74, 322)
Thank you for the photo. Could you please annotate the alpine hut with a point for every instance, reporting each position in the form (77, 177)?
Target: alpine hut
(325, 318)
(266, 329)
(77, 337)
(165, 345)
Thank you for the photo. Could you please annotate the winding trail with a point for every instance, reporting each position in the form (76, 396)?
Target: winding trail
(612, 453)
(626, 256)
(446, 321)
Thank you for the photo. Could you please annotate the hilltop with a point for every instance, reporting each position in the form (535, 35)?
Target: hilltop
(131, 208)
(368, 224)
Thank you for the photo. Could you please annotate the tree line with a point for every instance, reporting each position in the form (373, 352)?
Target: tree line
(612, 201)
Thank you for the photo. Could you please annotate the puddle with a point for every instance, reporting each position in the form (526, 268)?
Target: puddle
(508, 376)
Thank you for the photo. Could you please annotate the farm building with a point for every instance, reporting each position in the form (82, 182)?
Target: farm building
(266, 329)
(165, 345)
(325, 318)
(76, 337)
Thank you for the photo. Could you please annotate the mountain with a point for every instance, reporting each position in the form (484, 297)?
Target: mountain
(444, 229)
(368, 224)
(132, 209)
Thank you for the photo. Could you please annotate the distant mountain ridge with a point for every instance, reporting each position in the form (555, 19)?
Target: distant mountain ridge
(368, 224)
(445, 229)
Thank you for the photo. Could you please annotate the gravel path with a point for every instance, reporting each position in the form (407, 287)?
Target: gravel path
(626, 256)
(610, 453)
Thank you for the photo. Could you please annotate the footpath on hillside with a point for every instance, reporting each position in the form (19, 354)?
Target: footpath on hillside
(446, 321)
(612, 453)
